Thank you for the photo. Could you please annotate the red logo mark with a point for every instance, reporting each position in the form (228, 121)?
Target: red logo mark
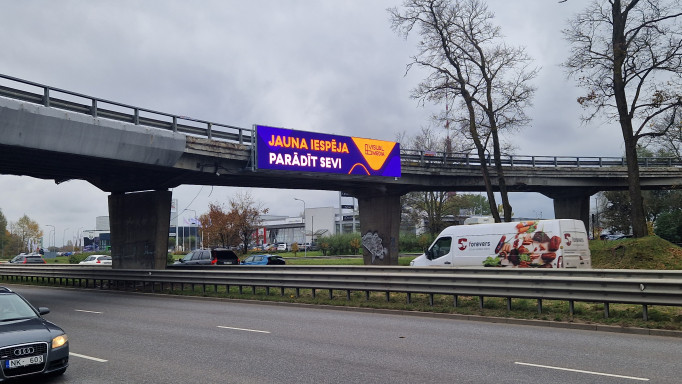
(462, 244)
(567, 236)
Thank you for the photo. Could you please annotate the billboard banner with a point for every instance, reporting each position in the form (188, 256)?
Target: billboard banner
(290, 150)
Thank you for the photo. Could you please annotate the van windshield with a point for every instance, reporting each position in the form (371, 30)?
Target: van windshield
(440, 248)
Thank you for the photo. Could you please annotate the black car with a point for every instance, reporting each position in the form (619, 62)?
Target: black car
(217, 256)
(33, 258)
(29, 344)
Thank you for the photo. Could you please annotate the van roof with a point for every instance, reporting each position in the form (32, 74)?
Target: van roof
(501, 228)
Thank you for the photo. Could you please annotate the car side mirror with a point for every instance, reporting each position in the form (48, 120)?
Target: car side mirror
(431, 254)
(43, 310)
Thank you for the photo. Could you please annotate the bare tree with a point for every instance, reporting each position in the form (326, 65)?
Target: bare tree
(245, 216)
(468, 61)
(628, 57)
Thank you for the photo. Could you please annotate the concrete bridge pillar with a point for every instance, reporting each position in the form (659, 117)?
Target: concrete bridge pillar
(380, 228)
(139, 225)
(572, 203)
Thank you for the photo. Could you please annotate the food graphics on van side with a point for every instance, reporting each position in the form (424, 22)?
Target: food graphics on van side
(529, 247)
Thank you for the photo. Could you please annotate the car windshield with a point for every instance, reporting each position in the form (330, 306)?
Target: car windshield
(188, 256)
(12, 307)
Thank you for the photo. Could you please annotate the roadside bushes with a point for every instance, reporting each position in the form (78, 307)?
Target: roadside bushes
(76, 258)
(341, 244)
(411, 243)
(351, 244)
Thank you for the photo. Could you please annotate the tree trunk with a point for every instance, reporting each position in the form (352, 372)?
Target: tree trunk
(639, 227)
(638, 216)
(486, 179)
(506, 207)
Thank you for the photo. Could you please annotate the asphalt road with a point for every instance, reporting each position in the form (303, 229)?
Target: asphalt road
(140, 338)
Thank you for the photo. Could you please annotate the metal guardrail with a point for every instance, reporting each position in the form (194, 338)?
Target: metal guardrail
(604, 286)
(206, 129)
(246, 136)
(431, 158)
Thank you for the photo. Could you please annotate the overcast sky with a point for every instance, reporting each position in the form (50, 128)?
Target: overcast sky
(322, 66)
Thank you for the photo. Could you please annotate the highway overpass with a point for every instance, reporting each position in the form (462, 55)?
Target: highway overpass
(123, 149)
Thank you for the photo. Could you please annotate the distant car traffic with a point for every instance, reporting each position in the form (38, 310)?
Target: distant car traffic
(217, 256)
(283, 247)
(264, 260)
(96, 260)
(31, 258)
(29, 344)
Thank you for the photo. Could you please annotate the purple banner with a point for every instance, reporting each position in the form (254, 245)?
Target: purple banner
(290, 150)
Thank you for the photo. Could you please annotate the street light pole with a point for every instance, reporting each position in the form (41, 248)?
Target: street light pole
(48, 236)
(196, 245)
(305, 246)
(64, 237)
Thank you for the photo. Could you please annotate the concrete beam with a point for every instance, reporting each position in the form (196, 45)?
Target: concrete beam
(380, 228)
(139, 225)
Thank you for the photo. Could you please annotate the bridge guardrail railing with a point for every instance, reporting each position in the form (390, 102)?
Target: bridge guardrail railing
(605, 286)
(94, 108)
(440, 159)
(211, 130)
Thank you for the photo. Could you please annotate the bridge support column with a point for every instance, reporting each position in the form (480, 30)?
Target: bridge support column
(380, 228)
(572, 203)
(139, 225)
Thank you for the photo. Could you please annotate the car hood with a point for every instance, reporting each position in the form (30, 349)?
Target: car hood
(27, 331)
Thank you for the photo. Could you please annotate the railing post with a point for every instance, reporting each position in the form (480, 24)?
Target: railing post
(46, 96)
(555, 162)
(209, 130)
(136, 118)
(577, 162)
(93, 110)
(175, 123)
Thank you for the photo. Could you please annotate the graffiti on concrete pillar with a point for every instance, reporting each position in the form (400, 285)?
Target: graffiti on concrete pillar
(372, 242)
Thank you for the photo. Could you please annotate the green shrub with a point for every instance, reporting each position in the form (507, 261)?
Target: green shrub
(341, 244)
(411, 243)
(78, 257)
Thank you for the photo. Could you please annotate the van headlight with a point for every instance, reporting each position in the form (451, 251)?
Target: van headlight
(59, 341)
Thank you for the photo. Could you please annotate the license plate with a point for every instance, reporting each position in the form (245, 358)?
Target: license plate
(24, 361)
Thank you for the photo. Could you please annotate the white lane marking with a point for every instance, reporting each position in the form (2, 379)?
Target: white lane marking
(88, 357)
(243, 329)
(582, 371)
(83, 310)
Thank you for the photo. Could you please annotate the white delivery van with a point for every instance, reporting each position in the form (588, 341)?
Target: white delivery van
(561, 243)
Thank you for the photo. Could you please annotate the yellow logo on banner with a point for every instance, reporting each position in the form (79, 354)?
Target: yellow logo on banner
(375, 152)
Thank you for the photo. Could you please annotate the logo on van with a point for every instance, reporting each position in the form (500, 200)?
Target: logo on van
(462, 244)
(567, 236)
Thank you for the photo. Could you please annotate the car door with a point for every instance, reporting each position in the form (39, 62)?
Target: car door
(439, 253)
(204, 257)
